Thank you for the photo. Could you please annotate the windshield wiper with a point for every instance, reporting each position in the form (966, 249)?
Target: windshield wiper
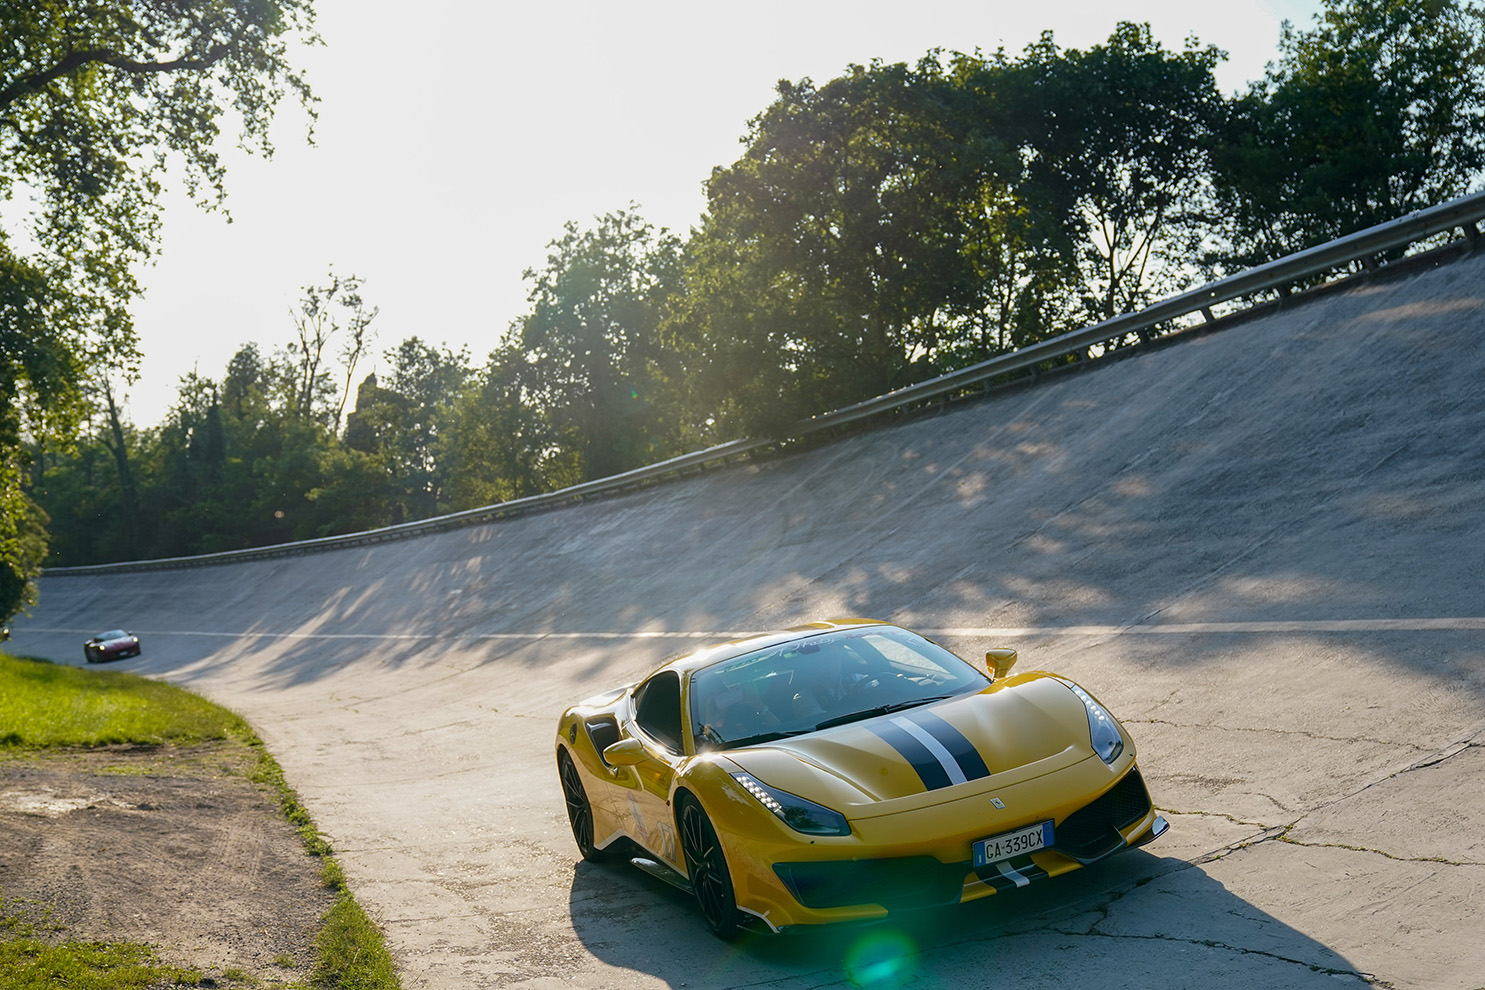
(761, 737)
(896, 706)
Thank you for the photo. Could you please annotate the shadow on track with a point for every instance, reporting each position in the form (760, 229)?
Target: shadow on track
(1152, 921)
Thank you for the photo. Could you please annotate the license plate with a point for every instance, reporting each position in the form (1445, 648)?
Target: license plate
(1009, 844)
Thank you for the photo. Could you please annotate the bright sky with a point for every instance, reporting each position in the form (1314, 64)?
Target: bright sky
(454, 143)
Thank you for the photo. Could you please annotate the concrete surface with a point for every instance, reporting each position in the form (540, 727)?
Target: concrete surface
(1261, 547)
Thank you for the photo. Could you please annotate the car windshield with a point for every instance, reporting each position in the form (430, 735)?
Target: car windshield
(113, 634)
(818, 681)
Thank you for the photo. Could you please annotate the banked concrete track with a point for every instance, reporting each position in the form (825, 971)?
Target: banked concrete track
(1261, 546)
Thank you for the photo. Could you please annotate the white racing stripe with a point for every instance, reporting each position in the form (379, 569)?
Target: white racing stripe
(1010, 874)
(944, 757)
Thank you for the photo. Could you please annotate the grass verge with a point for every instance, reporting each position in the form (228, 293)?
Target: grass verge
(44, 705)
(29, 963)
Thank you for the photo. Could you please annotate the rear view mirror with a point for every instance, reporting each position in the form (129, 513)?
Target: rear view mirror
(999, 662)
(625, 753)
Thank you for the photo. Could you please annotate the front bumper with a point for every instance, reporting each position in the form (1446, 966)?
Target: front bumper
(923, 858)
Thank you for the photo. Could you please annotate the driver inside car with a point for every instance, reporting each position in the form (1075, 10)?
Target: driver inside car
(829, 685)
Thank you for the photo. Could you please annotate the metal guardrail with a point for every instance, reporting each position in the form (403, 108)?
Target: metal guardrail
(1281, 275)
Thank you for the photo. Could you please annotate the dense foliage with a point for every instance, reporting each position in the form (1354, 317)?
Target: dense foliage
(1374, 113)
(95, 99)
(885, 226)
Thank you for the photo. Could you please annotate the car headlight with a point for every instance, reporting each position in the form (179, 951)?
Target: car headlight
(798, 813)
(1104, 733)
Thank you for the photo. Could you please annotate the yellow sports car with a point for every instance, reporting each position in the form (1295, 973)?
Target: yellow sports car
(843, 770)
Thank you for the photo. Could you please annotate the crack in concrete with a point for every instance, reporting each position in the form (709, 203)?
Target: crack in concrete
(1163, 702)
(1217, 814)
(1267, 731)
(1210, 943)
(1257, 839)
(1104, 910)
(1285, 837)
(1443, 755)
(1432, 760)
(1280, 833)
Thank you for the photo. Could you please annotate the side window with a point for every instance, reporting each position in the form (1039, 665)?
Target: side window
(657, 708)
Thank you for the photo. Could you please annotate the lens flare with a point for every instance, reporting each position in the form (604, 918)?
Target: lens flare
(881, 960)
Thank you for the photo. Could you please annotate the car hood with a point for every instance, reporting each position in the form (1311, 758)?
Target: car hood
(1014, 730)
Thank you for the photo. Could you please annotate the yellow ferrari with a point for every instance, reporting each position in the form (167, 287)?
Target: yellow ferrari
(843, 770)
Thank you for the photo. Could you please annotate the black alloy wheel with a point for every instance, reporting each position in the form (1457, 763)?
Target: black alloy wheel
(708, 869)
(579, 811)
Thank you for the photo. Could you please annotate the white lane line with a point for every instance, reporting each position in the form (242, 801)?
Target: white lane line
(1186, 628)
(1452, 624)
(252, 634)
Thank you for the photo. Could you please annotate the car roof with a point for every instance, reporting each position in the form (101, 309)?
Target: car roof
(707, 655)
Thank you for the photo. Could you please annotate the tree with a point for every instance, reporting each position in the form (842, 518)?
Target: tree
(314, 325)
(1116, 139)
(118, 445)
(95, 99)
(401, 425)
(591, 340)
(833, 251)
(1375, 112)
(498, 446)
(1021, 250)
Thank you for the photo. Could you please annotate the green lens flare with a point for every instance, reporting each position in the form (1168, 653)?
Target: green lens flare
(881, 960)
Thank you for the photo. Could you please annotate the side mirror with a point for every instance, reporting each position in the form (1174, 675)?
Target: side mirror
(625, 753)
(998, 662)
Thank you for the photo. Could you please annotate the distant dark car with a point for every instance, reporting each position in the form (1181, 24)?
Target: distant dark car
(112, 645)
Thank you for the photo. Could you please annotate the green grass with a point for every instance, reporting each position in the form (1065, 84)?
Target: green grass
(352, 953)
(28, 964)
(47, 705)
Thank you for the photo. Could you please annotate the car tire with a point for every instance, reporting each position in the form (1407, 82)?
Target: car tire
(579, 809)
(707, 866)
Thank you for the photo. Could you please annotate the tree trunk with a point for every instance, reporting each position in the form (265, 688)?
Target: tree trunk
(127, 499)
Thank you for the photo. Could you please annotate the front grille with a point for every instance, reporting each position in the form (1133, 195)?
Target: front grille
(1092, 831)
(905, 882)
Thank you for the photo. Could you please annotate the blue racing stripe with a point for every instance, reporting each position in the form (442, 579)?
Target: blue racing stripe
(924, 762)
(954, 741)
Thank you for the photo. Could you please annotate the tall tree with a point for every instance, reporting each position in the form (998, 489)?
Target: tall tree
(833, 250)
(428, 380)
(1022, 251)
(499, 446)
(316, 323)
(118, 445)
(96, 98)
(1115, 138)
(590, 341)
(1374, 112)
